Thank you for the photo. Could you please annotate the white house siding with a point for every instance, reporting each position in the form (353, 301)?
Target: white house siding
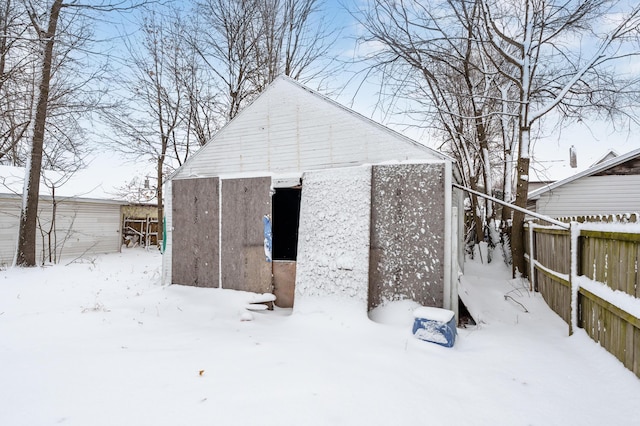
(289, 128)
(82, 228)
(168, 233)
(592, 195)
(9, 219)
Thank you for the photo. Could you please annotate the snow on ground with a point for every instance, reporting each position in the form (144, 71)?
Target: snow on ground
(103, 343)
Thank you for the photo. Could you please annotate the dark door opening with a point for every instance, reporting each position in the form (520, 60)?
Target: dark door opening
(286, 216)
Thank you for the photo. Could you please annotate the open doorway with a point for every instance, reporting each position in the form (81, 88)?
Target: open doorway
(286, 216)
(285, 209)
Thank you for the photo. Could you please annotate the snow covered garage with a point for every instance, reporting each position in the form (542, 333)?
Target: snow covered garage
(353, 207)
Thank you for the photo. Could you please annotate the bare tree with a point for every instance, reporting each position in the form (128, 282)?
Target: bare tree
(228, 44)
(537, 42)
(430, 55)
(17, 63)
(48, 27)
(514, 62)
(247, 44)
(295, 41)
(166, 105)
(27, 236)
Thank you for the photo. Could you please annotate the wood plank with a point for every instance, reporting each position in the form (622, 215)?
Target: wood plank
(620, 236)
(636, 351)
(637, 280)
(613, 261)
(551, 231)
(632, 273)
(284, 282)
(610, 307)
(553, 277)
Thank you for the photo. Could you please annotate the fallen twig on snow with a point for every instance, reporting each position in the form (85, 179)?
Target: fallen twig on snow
(506, 296)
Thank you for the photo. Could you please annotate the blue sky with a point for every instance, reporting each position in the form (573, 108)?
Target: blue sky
(591, 138)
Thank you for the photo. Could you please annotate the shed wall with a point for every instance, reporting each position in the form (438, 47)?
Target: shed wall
(291, 129)
(592, 195)
(407, 234)
(333, 243)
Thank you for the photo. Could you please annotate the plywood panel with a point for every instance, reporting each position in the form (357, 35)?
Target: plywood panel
(244, 203)
(284, 282)
(407, 231)
(195, 232)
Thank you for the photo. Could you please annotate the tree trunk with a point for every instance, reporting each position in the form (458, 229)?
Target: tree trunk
(517, 236)
(26, 255)
(477, 219)
(160, 202)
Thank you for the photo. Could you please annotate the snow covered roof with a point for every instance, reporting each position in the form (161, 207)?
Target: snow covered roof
(82, 186)
(598, 167)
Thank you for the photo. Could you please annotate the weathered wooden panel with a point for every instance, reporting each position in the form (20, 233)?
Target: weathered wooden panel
(195, 232)
(611, 258)
(616, 331)
(636, 351)
(244, 204)
(407, 228)
(552, 249)
(284, 282)
(630, 167)
(556, 293)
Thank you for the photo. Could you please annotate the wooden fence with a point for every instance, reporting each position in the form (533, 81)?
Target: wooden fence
(582, 267)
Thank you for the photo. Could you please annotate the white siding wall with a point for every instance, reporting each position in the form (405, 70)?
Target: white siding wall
(290, 129)
(168, 233)
(81, 228)
(592, 195)
(9, 219)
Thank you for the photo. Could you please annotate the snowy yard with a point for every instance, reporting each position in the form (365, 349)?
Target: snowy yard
(103, 343)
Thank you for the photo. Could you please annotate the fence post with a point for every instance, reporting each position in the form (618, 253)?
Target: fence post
(532, 268)
(574, 231)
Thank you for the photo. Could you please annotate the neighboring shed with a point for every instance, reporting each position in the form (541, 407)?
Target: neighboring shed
(140, 224)
(608, 187)
(84, 224)
(353, 206)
